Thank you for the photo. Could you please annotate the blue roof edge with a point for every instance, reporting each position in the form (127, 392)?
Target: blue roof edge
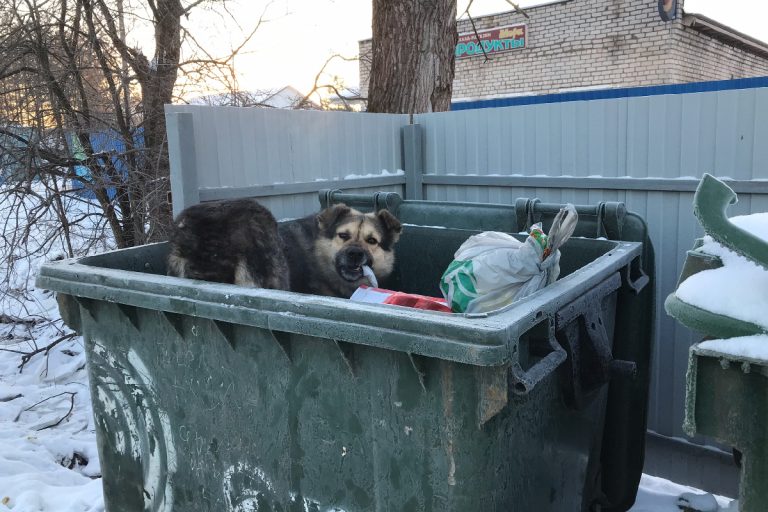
(628, 92)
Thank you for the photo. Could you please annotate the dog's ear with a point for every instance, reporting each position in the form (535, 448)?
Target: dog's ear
(328, 218)
(392, 226)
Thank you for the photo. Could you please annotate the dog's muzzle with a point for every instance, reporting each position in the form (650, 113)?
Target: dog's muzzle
(350, 262)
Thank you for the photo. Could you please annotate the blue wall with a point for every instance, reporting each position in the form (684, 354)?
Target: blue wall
(104, 142)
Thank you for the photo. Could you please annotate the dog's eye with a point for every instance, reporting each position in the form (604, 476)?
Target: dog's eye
(344, 236)
(371, 240)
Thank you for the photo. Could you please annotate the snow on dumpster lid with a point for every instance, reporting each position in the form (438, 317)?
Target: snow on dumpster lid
(752, 349)
(739, 289)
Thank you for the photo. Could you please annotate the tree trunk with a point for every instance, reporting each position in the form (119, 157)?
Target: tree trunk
(414, 43)
(157, 80)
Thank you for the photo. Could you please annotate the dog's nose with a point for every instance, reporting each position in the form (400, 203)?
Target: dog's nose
(356, 256)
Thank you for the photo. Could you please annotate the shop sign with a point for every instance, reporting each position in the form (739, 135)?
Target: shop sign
(495, 40)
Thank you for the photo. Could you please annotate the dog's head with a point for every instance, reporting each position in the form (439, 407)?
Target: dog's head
(351, 239)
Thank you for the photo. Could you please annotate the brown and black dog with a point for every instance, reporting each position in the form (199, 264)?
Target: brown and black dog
(239, 241)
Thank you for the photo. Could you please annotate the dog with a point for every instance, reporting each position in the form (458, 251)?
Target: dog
(240, 242)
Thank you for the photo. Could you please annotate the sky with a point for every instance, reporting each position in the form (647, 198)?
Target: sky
(291, 47)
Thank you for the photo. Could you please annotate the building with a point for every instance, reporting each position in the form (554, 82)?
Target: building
(345, 99)
(287, 97)
(572, 45)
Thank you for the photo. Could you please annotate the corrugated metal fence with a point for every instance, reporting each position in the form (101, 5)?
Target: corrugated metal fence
(281, 156)
(646, 147)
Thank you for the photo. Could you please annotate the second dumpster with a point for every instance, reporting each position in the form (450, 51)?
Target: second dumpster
(722, 294)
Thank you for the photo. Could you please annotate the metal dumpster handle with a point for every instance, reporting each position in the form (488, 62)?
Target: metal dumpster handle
(712, 199)
(523, 381)
(634, 275)
(590, 365)
(610, 215)
(526, 214)
(551, 353)
(376, 201)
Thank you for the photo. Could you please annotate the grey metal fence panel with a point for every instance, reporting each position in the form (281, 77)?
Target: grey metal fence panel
(291, 206)
(648, 152)
(249, 148)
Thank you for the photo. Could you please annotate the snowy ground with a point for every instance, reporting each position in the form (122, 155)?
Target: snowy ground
(48, 458)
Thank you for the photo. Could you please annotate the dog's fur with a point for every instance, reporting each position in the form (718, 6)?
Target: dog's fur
(240, 242)
(228, 242)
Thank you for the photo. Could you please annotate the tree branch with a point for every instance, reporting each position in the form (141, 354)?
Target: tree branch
(46, 349)
(69, 412)
(315, 87)
(517, 8)
(133, 57)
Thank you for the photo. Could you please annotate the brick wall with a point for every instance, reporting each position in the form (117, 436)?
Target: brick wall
(700, 57)
(592, 43)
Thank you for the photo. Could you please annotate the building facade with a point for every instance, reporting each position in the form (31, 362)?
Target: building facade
(571, 45)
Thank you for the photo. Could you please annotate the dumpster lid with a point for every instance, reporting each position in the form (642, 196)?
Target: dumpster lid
(711, 296)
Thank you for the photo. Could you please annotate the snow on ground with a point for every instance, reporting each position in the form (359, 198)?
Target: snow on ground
(48, 459)
(48, 456)
(659, 495)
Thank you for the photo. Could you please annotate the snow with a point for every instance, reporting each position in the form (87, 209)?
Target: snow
(751, 348)
(384, 172)
(426, 226)
(49, 461)
(738, 289)
(659, 495)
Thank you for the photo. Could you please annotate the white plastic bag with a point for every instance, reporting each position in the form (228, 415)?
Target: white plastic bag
(493, 269)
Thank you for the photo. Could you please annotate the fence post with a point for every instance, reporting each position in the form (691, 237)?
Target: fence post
(413, 160)
(181, 153)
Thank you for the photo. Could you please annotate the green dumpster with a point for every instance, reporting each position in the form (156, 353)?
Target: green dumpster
(216, 397)
(727, 379)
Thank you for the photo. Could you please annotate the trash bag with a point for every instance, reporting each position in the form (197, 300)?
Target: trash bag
(492, 269)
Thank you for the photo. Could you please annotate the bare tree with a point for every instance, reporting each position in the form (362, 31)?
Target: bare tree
(413, 55)
(83, 156)
(95, 104)
(337, 96)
